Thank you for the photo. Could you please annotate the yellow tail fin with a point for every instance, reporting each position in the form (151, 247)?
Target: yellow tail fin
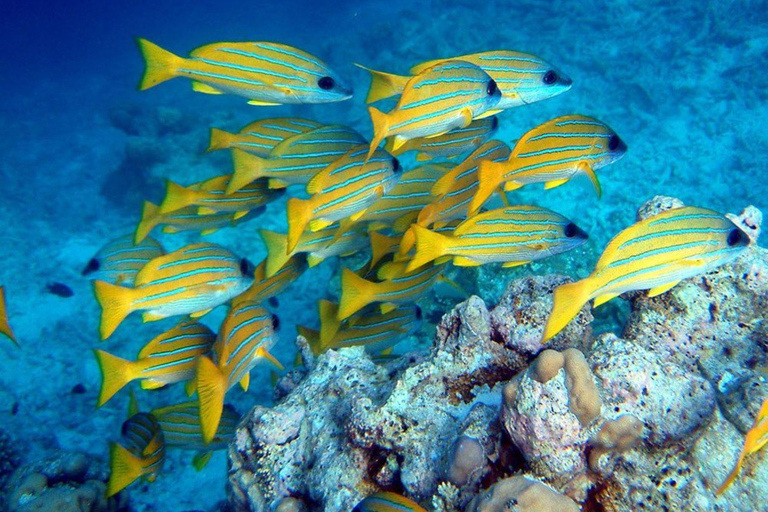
(384, 85)
(150, 218)
(443, 185)
(406, 243)
(161, 64)
(125, 468)
(211, 388)
(277, 250)
(220, 140)
(489, 176)
(176, 197)
(429, 246)
(356, 293)
(567, 301)
(380, 122)
(299, 215)
(116, 303)
(247, 168)
(115, 374)
(329, 322)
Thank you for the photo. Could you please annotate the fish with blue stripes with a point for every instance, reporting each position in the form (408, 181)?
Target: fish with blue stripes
(265, 73)
(522, 78)
(245, 337)
(295, 160)
(5, 326)
(754, 441)
(168, 358)
(452, 144)
(553, 153)
(387, 502)
(141, 457)
(120, 260)
(441, 98)
(266, 287)
(210, 197)
(343, 190)
(189, 281)
(513, 236)
(261, 137)
(654, 254)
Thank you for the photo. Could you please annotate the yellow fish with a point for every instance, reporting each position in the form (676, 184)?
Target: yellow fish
(553, 153)
(344, 190)
(387, 502)
(120, 260)
(444, 97)
(261, 137)
(264, 287)
(143, 455)
(296, 159)
(265, 73)
(5, 327)
(654, 254)
(454, 143)
(190, 281)
(245, 337)
(168, 358)
(756, 438)
(522, 78)
(210, 198)
(513, 236)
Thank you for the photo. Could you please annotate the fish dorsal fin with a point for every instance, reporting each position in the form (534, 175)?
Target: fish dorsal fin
(586, 169)
(245, 382)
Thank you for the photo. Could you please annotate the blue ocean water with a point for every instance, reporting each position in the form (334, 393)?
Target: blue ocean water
(682, 82)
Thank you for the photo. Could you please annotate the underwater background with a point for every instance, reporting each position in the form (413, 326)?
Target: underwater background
(684, 83)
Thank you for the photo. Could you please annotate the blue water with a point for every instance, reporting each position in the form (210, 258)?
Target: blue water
(683, 83)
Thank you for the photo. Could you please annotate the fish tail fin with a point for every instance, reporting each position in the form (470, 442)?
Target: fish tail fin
(356, 293)
(220, 140)
(299, 215)
(116, 372)
(380, 122)
(124, 469)
(247, 168)
(211, 388)
(406, 243)
(383, 85)
(116, 304)
(429, 246)
(567, 301)
(176, 197)
(489, 176)
(150, 218)
(329, 322)
(277, 250)
(161, 64)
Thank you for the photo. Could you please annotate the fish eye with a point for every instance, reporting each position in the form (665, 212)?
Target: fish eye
(326, 83)
(550, 77)
(573, 231)
(246, 267)
(492, 87)
(418, 313)
(396, 167)
(614, 142)
(737, 237)
(92, 266)
(275, 322)
(494, 123)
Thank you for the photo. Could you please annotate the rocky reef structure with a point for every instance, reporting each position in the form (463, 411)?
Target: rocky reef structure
(489, 420)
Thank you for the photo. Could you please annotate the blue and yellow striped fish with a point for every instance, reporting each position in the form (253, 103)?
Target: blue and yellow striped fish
(387, 502)
(245, 337)
(452, 144)
(522, 78)
(143, 455)
(5, 327)
(344, 190)
(189, 281)
(210, 198)
(168, 358)
(120, 260)
(441, 98)
(654, 254)
(553, 153)
(514, 235)
(295, 160)
(265, 73)
(261, 137)
(264, 288)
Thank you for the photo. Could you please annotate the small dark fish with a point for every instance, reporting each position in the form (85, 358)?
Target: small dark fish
(59, 289)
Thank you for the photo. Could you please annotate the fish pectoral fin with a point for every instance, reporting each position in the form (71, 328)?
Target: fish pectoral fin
(198, 314)
(277, 183)
(658, 290)
(148, 316)
(587, 169)
(466, 116)
(488, 114)
(204, 88)
(511, 264)
(554, 183)
(387, 307)
(512, 185)
(259, 103)
(463, 261)
(245, 382)
(602, 299)
(201, 459)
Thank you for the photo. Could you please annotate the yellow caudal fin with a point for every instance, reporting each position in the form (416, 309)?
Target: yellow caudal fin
(380, 122)
(125, 468)
(161, 65)
(429, 246)
(277, 250)
(150, 218)
(384, 85)
(176, 197)
(115, 374)
(356, 293)
(299, 215)
(329, 321)
(211, 388)
(406, 243)
(220, 140)
(489, 176)
(567, 301)
(116, 303)
(247, 168)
